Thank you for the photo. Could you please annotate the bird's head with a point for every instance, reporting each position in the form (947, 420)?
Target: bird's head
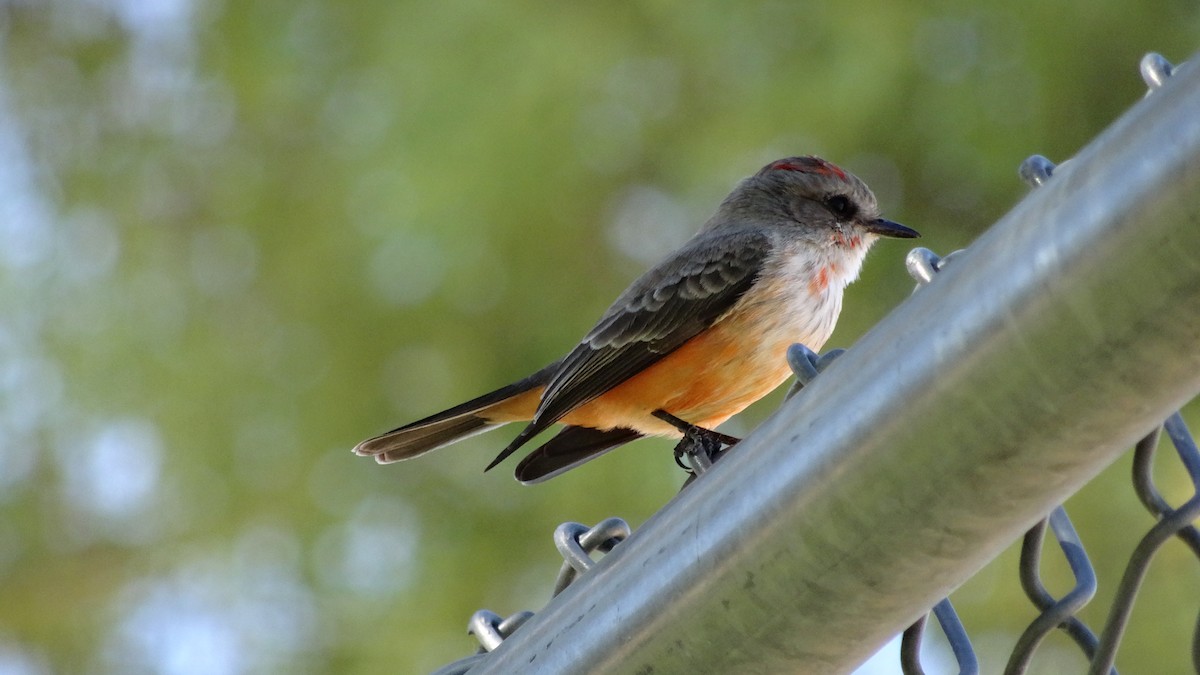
(811, 197)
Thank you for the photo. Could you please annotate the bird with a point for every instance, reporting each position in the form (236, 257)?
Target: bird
(694, 340)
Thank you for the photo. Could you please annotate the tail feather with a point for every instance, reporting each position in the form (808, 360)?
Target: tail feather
(570, 448)
(532, 429)
(446, 427)
(404, 443)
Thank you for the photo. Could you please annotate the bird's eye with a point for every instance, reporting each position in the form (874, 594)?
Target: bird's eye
(841, 206)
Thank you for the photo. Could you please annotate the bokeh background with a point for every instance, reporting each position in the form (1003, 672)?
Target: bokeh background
(238, 237)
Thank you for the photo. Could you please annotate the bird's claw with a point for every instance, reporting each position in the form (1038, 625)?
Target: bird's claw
(702, 447)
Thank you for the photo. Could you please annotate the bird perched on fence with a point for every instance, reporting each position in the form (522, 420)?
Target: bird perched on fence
(696, 339)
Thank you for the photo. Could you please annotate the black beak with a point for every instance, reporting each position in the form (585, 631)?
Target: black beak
(886, 228)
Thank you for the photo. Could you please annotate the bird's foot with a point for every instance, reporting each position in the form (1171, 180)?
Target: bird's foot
(702, 447)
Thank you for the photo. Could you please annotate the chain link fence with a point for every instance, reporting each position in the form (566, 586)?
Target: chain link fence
(578, 544)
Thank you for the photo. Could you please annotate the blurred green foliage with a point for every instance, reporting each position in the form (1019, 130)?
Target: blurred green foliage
(240, 237)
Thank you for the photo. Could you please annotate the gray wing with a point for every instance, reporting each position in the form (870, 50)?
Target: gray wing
(666, 307)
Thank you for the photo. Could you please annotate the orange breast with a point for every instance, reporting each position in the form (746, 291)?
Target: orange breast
(706, 381)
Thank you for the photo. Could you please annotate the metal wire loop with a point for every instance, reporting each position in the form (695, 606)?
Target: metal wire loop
(576, 543)
(956, 635)
(923, 264)
(1171, 523)
(1143, 479)
(1036, 170)
(806, 365)
(1155, 70)
(491, 630)
(1058, 613)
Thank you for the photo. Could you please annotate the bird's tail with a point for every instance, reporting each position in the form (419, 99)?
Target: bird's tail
(512, 403)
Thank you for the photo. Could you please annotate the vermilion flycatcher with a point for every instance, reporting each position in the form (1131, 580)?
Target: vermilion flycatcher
(699, 337)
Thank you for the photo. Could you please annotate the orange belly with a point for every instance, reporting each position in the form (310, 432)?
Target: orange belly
(706, 381)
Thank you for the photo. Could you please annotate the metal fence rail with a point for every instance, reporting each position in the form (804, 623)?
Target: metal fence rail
(1063, 335)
